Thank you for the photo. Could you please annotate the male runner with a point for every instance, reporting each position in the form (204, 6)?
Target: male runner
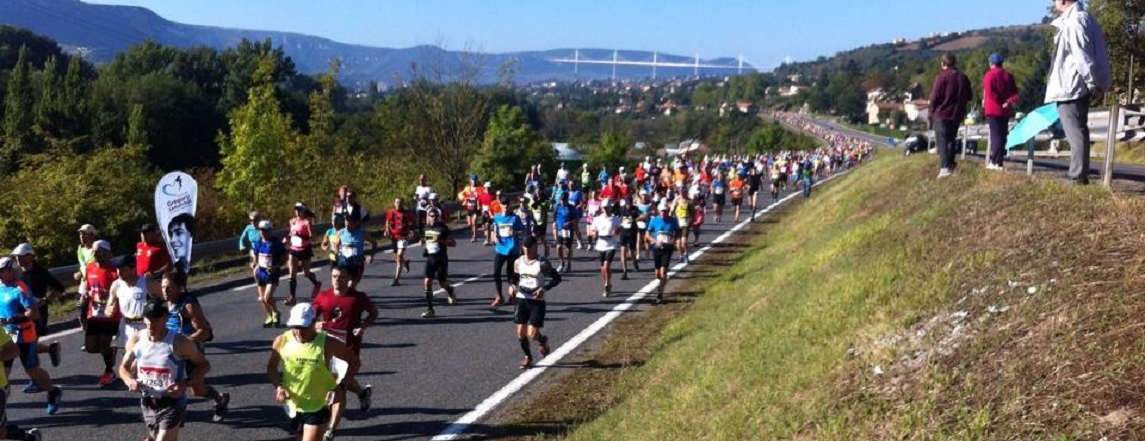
(398, 223)
(18, 317)
(269, 255)
(507, 227)
(186, 317)
(603, 231)
(339, 313)
(436, 242)
(661, 235)
(102, 322)
(535, 278)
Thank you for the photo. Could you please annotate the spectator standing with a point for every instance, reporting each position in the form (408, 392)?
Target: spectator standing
(1079, 71)
(1000, 95)
(948, 100)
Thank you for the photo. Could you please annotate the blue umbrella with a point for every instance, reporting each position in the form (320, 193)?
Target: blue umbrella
(1036, 122)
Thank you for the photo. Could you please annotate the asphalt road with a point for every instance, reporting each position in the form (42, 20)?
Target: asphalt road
(426, 373)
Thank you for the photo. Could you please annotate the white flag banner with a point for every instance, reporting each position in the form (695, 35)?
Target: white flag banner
(175, 199)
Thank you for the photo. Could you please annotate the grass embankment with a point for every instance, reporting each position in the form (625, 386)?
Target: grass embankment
(897, 306)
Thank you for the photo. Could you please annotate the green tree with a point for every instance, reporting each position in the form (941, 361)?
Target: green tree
(257, 170)
(18, 118)
(611, 151)
(509, 148)
(1124, 24)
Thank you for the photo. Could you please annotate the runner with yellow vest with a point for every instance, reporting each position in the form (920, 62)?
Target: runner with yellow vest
(307, 382)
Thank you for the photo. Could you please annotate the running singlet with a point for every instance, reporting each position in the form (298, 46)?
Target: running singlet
(663, 232)
(131, 299)
(682, 214)
(435, 238)
(99, 282)
(299, 234)
(352, 245)
(13, 301)
(305, 374)
(340, 314)
(179, 320)
(603, 227)
(158, 367)
(507, 227)
(397, 220)
(737, 188)
(531, 277)
(718, 187)
(267, 253)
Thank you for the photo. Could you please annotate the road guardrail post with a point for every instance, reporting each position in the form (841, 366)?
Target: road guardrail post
(1030, 157)
(1110, 141)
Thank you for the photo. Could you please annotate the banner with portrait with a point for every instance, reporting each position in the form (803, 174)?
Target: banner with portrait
(176, 196)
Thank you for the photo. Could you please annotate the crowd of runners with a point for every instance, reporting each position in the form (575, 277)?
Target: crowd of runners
(648, 214)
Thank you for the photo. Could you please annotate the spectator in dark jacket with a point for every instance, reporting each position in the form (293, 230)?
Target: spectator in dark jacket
(1000, 95)
(948, 99)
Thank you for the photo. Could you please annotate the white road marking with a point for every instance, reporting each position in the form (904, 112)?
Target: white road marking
(458, 427)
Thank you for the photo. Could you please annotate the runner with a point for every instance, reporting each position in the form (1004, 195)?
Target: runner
(436, 242)
(186, 317)
(18, 318)
(352, 253)
(102, 321)
(775, 183)
(421, 198)
(807, 174)
(683, 208)
(8, 353)
(247, 239)
(579, 202)
(563, 223)
(468, 197)
(661, 235)
(269, 254)
(330, 239)
(486, 200)
(698, 215)
(46, 289)
(397, 228)
(628, 233)
(735, 186)
(603, 231)
(307, 381)
(508, 227)
(540, 208)
(754, 178)
(85, 254)
(128, 296)
(300, 252)
(151, 256)
(536, 278)
(155, 364)
(339, 313)
(719, 195)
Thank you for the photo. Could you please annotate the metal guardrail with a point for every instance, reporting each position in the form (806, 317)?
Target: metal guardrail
(1130, 123)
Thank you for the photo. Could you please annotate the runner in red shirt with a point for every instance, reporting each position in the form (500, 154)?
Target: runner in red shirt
(339, 313)
(151, 257)
(486, 198)
(398, 227)
(102, 322)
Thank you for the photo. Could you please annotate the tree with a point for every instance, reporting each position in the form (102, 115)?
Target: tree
(18, 118)
(257, 170)
(509, 148)
(1124, 24)
(610, 152)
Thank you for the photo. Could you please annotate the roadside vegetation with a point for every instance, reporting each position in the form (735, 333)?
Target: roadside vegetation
(895, 306)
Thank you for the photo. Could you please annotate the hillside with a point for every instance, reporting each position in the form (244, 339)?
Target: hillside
(895, 306)
(101, 31)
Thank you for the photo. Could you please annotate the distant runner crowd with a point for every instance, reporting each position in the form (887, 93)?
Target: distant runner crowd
(643, 213)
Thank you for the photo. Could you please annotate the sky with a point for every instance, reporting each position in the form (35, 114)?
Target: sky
(764, 32)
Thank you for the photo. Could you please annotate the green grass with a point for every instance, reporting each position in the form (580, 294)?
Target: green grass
(785, 344)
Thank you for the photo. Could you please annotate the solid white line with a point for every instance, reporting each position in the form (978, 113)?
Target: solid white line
(62, 334)
(456, 428)
(455, 285)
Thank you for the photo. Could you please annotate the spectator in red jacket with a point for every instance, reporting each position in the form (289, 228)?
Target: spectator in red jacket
(948, 99)
(1000, 96)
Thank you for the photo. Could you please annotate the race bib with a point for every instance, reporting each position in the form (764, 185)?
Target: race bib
(626, 223)
(663, 238)
(296, 241)
(602, 243)
(719, 190)
(401, 244)
(505, 230)
(349, 251)
(432, 247)
(155, 381)
(564, 233)
(265, 260)
(641, 225)
(682, 221)
(527, 282)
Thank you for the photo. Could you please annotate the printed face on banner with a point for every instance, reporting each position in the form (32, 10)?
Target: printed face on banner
(176, 196)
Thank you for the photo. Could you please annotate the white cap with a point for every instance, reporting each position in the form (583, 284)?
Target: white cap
(7, 263)
(265, 225)
(87, 228)
(433, 196)
(23, 250)
(488, 184)
(102, 244)
(301, 315)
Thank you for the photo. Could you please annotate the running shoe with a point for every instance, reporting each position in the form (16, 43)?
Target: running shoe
(545, 350)
(428, 314)
(329, 435)
(636, 264)
(106, 379)
(269, 321)
(395, 283)
(54, 353)
(607, 290)
(366, 398)
(290, 301)
(659, 301)
(526, 362)
(33, 434)
(222, 405)
(624, 276)
(449, 297)
(561, 268)
(32, 388)
(54, 396)
(277, 320)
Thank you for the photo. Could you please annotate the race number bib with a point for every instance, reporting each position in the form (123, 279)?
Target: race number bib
(155, 381)
(265, 260)
(564, 234)
(663, 238)
(719, 190)
(527, 282)
(349, 251)
(505, 230)
(432, 247)
(626, 223)
(682, 221)
(296, 241)
(641, 225)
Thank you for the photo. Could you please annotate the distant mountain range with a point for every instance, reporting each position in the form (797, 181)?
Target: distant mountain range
(101, 31)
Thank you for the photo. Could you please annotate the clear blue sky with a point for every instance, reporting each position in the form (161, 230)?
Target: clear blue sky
(765, 32)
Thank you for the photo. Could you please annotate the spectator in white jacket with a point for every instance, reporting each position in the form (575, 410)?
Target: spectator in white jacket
(1080, 70)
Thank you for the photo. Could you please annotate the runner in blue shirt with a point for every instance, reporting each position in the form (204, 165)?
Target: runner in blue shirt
(249, 236)
(563, 224)
(576, 198)
(269, 255)
(661, 236)
(507, 230)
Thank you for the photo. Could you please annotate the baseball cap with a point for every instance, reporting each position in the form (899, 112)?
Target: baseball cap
(7, 263)
(300, 206)
(488, 184)
(148, 227)
(301, 316)
(265, 225)
(23, 250)
(87, 228)
(254, 215)
(155, 310)
(102, 244)
(996, 58)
